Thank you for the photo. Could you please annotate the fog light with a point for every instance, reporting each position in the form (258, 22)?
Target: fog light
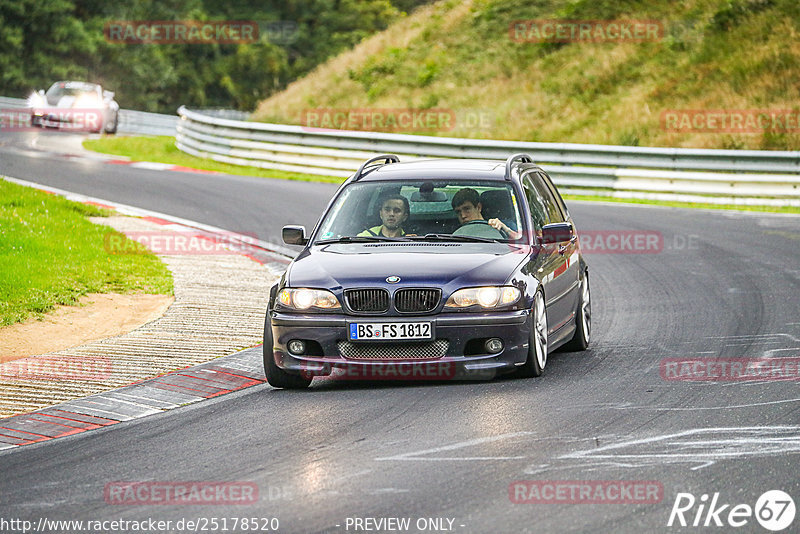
(296, 346)
(493, 345)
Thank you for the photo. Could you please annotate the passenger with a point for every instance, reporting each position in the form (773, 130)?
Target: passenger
(467, 205)
(394, 212)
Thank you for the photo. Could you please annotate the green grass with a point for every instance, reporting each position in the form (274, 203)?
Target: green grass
(459, 56)
(162, 149)
(50, 254)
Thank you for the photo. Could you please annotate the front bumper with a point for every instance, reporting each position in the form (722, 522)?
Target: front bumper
(74, 119)
(459, 339)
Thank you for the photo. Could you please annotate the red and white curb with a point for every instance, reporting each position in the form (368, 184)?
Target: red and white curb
(194, 384)
(80, 153)
(153, 166)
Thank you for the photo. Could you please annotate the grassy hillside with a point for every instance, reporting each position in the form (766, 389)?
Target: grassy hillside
(458, 55)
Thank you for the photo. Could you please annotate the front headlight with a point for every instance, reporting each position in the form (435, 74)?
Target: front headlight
(485, 297)
(304, 299)
(35, 100)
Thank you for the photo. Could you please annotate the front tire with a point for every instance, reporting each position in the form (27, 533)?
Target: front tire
(537, 343)
(111, 127)
(583, 319)
(277, 377)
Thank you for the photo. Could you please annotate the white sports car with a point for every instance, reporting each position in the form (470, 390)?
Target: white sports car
(75, 105)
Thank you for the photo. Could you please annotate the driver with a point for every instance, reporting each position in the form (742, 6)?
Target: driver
(394, 212)
(467, 205)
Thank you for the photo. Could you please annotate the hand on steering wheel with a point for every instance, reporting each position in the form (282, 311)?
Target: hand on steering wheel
(500, 226)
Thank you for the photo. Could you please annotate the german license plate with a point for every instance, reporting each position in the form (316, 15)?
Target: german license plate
(390, 331)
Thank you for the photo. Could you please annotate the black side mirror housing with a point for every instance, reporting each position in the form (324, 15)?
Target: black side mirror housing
(557, 233)
(294, 235)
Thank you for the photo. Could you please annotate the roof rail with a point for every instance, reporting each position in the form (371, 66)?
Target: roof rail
(386, 158)
(521, 157)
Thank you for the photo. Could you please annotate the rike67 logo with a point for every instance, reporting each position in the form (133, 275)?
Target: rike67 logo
(774, 510)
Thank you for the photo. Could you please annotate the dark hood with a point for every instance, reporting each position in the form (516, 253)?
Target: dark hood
(427, 264)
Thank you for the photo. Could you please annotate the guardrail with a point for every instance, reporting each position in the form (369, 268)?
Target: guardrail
(714, 176)
(739, 176)
(130, 121)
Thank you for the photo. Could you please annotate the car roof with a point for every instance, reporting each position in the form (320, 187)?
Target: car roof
(438, 169)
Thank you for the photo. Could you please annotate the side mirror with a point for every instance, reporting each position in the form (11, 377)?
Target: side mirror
(557, 233)
(294, 235)
(108, 95)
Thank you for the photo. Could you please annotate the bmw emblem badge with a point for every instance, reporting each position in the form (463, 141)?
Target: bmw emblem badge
(393, 279)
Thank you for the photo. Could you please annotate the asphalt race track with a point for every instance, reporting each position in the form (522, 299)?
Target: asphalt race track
(720, 284)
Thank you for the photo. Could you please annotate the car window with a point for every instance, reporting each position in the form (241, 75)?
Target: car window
(554, 192)
(547, 200)
(357, 210)
(539, 213)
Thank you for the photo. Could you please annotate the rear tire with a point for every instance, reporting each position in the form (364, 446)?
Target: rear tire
(277, 377)
(583, 319)
(537, 342)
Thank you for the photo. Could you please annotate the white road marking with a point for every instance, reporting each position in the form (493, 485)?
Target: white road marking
(699, 408)
(703, 446)
(350, 475)
(755, 336)
(761, 383)
(416, 455)
(153, 166)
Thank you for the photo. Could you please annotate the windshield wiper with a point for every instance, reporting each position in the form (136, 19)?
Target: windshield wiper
(358, 239)
(451, 237)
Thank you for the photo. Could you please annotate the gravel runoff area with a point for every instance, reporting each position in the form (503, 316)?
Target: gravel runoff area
(220, 301)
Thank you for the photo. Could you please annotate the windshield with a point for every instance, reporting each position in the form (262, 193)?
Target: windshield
(62, 89)
(453, 210)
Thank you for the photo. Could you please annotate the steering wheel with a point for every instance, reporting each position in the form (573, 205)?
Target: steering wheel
(502, 233)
